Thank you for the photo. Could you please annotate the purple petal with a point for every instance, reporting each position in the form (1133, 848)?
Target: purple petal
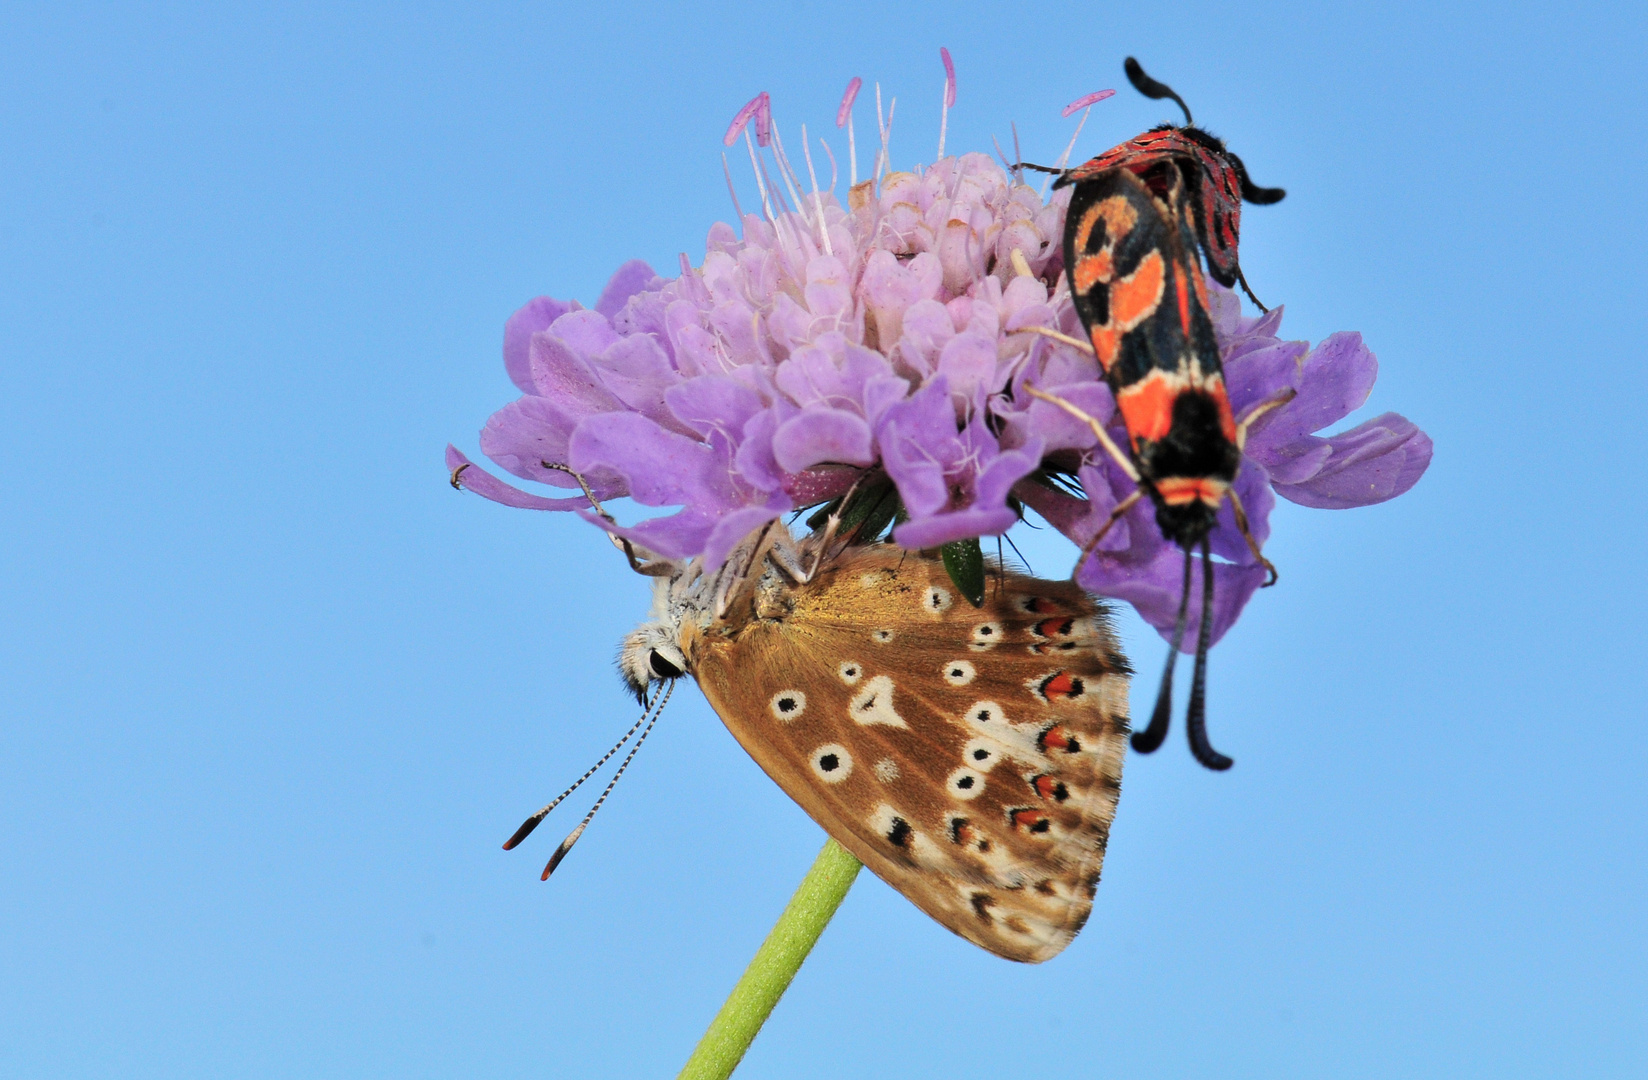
(937, 529)
(663, 468)
(471, 477)
(630, 278)
(714, 403)
(1334, 380)
(1153, 588)
(819, 435)
(1370, 463)
(733, 527)
(529, 431)
(1259, 375)
(562, 374)
(533, 316)
(638, 373)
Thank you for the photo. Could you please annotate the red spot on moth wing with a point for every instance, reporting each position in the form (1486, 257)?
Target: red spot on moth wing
(1183, 292)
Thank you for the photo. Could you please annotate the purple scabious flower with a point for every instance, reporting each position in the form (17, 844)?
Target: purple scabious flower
(896, 336)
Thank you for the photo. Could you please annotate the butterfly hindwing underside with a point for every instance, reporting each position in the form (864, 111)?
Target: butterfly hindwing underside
(971, 757)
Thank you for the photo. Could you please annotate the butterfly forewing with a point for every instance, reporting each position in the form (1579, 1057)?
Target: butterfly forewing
(971, 757)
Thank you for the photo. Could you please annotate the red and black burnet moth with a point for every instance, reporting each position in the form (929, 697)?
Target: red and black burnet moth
(1138, 217)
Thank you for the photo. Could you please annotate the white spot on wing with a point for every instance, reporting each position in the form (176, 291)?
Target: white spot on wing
(874, 704)
(881, 637)
(786, 705)
(965, 784)
(831, 763)
(986, 636)
(886, 770)
(850, 671)
(959, 673)
(935, 601)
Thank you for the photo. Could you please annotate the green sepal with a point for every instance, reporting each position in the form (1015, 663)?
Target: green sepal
(964, 560)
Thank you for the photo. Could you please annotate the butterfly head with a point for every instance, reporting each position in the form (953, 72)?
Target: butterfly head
(653, 652)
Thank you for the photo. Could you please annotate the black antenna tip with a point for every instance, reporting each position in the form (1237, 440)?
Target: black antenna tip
(524, 831)
(1150, 88)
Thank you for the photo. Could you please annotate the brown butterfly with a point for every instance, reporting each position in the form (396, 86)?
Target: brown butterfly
(970, 757)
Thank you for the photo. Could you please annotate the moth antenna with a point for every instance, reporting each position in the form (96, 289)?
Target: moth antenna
(1253, 193)
(1146, 741)
(532, 822)
(1196, 714)
(1150, 88)
(572, 837)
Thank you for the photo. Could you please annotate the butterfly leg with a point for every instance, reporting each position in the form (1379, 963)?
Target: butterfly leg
(648, 568)
(1098, 429)
(1150, 738)
(1196, 713)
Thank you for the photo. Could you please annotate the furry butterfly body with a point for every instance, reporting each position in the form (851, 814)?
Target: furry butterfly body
(970, 757)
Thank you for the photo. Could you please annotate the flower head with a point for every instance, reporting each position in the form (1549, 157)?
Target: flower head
(899, 335)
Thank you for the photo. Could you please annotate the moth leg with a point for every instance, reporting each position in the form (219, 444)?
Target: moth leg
(1073, 342)
(1259, 410)
(1245, 288)
(1098, 429)
(1241, 525)
(1121, 508)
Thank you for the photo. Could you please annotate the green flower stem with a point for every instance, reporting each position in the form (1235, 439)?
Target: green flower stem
(775, 964)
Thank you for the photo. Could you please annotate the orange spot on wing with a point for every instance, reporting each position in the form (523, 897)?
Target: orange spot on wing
(1093, 270)
(1134, 297)
(1147, 405)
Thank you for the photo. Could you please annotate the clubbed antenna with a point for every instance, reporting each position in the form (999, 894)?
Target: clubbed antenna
(1150, 88)
(1196, 714)
(1146, 741)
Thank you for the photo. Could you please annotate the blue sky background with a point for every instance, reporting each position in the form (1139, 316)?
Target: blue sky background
(273, 694)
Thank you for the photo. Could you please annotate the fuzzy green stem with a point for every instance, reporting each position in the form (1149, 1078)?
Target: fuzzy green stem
(775, 964)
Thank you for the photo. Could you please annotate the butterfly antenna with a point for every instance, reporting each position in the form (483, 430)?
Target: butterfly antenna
(1150, 88)
(572, 837)
(1146, 741)
(532, 822)
(1196, 714)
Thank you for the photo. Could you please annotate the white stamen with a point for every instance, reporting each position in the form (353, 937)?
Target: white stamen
(787, 174)
(943, 120)
(739, 210)
(886, 137)
(881, 132)
(834, 172)
(818, 202)
(760, 184)
(852, 153)
(1064, 157)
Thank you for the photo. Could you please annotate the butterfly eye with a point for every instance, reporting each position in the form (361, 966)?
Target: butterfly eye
(662, 666)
